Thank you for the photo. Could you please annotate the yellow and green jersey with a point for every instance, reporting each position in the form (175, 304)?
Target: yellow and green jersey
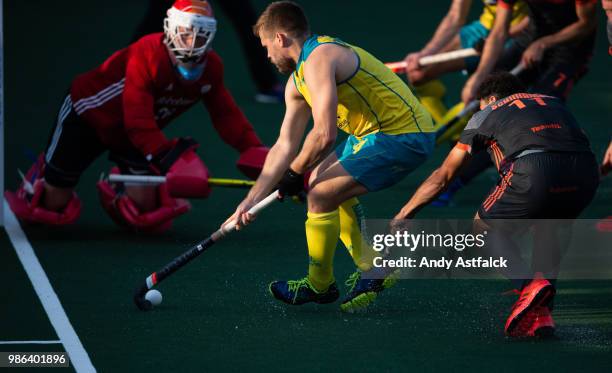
(372, 100)
(487, 18)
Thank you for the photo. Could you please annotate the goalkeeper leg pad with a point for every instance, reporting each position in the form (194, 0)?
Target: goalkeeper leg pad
(27, 201)
(125, 213)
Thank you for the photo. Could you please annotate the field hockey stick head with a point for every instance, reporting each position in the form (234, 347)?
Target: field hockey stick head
(139, 298)
(139, 294)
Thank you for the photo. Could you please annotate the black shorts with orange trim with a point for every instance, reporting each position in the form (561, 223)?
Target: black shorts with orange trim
(543, 186)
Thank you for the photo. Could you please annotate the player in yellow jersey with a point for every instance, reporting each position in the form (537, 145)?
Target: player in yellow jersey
(390, 134)
(453, 33)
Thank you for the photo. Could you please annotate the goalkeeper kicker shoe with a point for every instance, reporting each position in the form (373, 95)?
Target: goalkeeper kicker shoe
(363, 292)
(297, 292)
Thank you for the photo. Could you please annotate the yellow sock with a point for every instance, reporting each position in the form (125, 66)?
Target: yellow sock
(430, 94)
(322, 230)
(351, 217)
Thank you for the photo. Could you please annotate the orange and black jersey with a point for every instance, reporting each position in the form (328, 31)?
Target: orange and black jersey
(551, 16)
(522, 123)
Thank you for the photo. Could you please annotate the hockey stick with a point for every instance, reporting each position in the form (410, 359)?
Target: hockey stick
(180, 261)
(400, 66)
(156, 180)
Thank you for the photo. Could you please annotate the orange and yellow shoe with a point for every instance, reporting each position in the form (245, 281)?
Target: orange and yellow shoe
(539, 292)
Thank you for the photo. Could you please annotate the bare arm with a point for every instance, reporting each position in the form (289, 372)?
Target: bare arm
(320, 75)
(435, 184)
(490, 54)
(607, 7)
(296, 118)
(449, 27)
(606, 164)
(519, 27)
(583, 27)
(297, 115)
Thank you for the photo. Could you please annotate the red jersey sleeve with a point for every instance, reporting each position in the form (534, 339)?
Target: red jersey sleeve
(138, 103)
(227, 118)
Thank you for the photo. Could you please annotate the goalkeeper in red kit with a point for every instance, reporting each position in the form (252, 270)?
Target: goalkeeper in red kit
(121, 107)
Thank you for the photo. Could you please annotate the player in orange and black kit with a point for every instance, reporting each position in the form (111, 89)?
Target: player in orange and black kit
(547, 171)
(555, 49)
(606, 164)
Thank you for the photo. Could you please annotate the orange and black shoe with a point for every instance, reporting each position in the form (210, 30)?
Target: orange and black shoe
(539, 292)
(537, 323)
(543, 325)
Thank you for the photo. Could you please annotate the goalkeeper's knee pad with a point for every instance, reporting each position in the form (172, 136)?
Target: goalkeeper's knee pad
(27, 201)
(124, 211)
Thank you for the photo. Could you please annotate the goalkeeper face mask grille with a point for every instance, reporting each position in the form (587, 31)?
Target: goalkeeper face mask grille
(189, 29)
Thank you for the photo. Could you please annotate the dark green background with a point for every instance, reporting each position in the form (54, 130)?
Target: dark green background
(217, 312)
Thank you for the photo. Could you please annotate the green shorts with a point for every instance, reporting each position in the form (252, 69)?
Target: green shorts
(378, 160)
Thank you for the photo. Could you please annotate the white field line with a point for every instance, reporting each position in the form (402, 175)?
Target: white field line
(57, 316)
(29, 342)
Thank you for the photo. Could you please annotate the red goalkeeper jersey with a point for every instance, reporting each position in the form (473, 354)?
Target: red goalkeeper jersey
(136, 92)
